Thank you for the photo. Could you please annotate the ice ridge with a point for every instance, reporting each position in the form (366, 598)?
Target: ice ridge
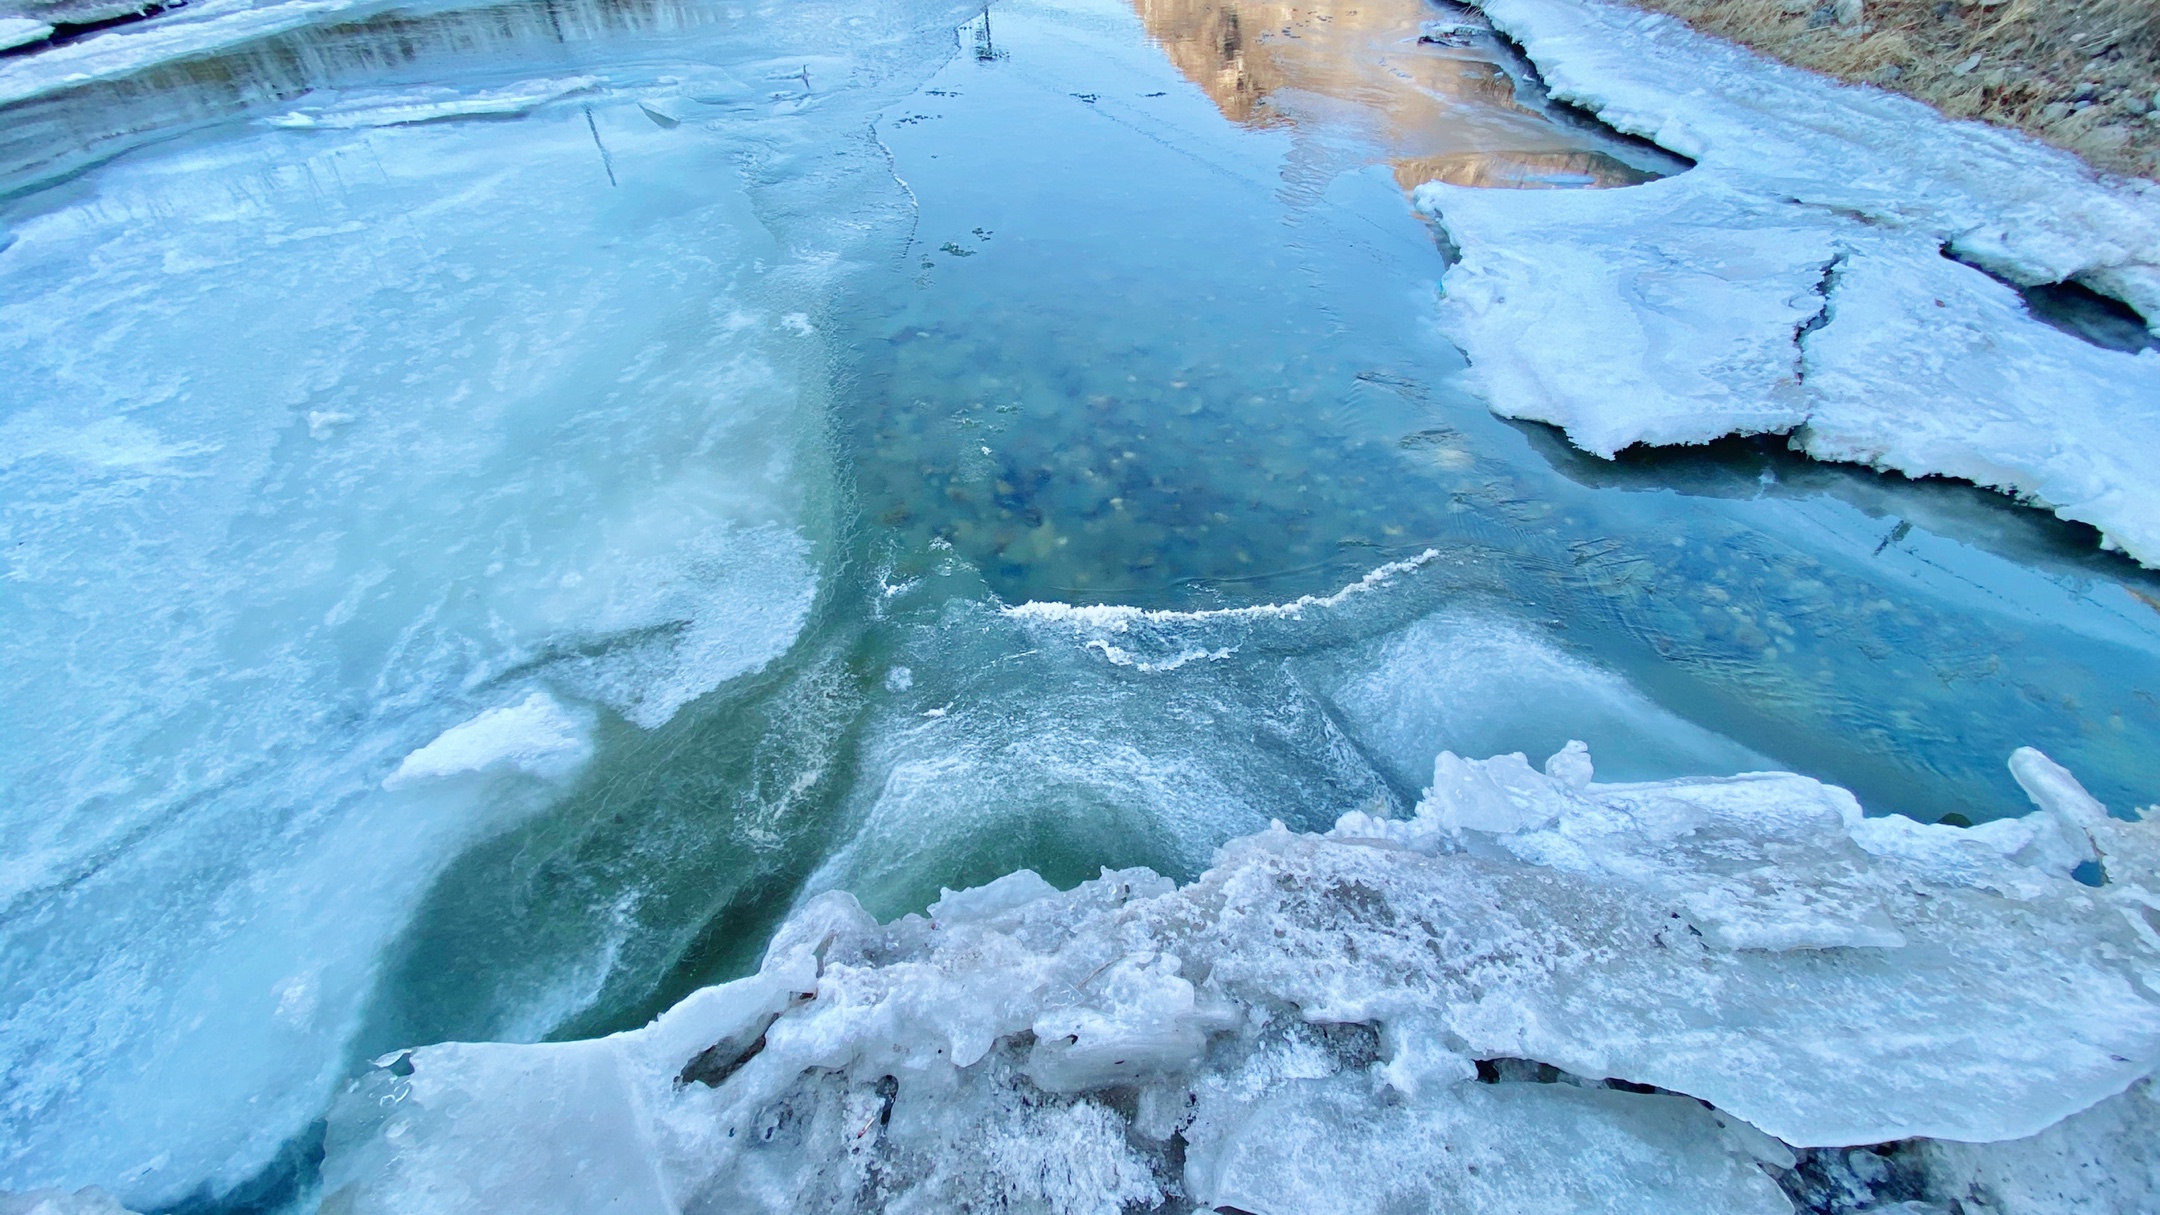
(1303, 1028)
(1820, 272)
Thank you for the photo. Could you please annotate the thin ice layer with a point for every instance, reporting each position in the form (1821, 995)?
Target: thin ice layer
(1303, 1019)
(1798, 280)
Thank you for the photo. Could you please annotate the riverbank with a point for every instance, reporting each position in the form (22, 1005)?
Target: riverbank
(2080, 74)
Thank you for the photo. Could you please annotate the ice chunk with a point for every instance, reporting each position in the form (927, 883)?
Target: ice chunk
(1797, 278)
(22, 31)
(983, 902)
(1662, 313)
(1303, 1016)
(536, 735)
(1328, 1147)
(1928, 367)
(1570, 766)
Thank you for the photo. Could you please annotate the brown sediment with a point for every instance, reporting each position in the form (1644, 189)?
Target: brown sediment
(1518, 170)
(2080, 74)
(1434, 110)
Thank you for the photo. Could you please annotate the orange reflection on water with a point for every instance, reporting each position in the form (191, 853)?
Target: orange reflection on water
(1433, 112)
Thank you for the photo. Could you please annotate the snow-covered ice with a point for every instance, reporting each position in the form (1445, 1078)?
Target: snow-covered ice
(1800, 278)
(356, 480)
(1303, 1028)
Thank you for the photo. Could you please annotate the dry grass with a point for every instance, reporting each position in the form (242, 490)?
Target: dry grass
(2080, 74)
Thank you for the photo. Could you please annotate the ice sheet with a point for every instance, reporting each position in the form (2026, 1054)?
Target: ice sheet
(1799, 279)
(1476, 681)
(535, 465)
(1304, 1018)
(396, 107)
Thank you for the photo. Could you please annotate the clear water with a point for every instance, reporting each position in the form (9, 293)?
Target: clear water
(730, 400)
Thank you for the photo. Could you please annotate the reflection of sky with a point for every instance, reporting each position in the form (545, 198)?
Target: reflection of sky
(1435, 112)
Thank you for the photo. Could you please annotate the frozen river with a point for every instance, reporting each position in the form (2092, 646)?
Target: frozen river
(500, 503)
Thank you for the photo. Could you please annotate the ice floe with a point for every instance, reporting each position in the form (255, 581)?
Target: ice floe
(1304, 1027)
(536, 735)
(1815, 273)
(22, 31)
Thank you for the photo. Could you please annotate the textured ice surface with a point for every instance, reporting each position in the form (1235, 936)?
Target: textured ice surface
(1299, 1028)
(1798, 279)
(354, 485)
(2100, 1160)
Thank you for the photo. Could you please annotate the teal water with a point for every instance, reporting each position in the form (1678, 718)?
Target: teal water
(1129, 357)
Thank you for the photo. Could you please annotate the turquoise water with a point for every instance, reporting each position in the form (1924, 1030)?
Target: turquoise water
(807, 344)
(1126, 357)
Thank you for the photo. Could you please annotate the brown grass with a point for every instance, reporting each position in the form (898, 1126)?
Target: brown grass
(2080, 74)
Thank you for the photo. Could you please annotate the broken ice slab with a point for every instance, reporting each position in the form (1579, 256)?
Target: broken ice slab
(22, 31)
(1304, 1017)
(1666, 319)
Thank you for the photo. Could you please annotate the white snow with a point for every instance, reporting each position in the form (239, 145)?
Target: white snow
(1796, 278)
(1304, 1016)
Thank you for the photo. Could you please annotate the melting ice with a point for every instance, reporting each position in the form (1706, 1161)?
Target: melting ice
(506, 508)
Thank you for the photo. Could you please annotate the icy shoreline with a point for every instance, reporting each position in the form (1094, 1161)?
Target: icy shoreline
(1800, 279)
(1304, 1027)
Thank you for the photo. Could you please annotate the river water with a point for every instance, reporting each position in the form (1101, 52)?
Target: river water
(726, 377)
